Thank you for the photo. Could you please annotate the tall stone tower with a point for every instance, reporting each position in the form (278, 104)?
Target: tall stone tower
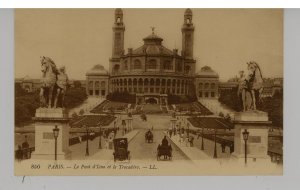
(188, 34)
(118, 42)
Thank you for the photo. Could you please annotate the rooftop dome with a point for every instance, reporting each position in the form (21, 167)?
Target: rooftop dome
(207, 72)
(97, 70)
(153, 39)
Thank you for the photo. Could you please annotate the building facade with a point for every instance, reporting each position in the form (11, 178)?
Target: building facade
(207, 83)
(97, 81)
(152, 71)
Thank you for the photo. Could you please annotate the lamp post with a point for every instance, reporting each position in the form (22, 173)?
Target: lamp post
(55, 134)
(123, 124)
(245, 137)
(87, 141)
(202, 141)
(215, 150)
(173, 122)
(100, 145)
(188, 130)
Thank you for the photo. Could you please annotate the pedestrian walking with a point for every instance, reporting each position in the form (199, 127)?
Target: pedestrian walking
(198, 133)
(191, 141)
(25, 148)
(19, 153)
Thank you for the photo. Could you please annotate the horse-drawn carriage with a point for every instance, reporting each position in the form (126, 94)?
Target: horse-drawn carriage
(121, 151)
(149, 137)
(164, 150)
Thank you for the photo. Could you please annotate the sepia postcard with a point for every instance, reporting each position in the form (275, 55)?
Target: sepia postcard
(148, 92)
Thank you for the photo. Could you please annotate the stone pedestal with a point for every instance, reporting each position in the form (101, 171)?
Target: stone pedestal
(256, 123)
(45, 121)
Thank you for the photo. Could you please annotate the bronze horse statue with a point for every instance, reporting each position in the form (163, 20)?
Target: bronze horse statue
(54, 83)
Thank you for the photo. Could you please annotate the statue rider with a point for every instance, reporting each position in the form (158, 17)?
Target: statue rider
(62, 82)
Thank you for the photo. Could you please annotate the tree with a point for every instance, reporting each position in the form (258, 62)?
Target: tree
(74, 115)
(231, 99)
(77, 84)
(19, 91)
(227, 117)
(27, 103)
(221, 114)
(81, 112)
(74, 97)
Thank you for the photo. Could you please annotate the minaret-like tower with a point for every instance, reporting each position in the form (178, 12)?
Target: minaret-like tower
(118, 40)
(188, 34)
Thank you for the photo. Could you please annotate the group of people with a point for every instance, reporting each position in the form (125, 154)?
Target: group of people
(183, 137)
(23, 151)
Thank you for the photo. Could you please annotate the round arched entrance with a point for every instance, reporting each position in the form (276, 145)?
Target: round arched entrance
(151, 100)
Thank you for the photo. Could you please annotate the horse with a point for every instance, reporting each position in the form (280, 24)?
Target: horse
(49, 78)
(249, 85)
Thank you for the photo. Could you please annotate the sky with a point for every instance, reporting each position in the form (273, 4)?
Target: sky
(224, 39)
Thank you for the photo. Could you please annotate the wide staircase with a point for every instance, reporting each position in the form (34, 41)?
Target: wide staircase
(152, 109)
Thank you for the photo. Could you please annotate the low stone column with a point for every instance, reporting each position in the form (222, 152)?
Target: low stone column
(45, 121)
(256, 123)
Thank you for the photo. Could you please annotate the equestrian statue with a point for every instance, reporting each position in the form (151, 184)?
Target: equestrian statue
(54, 84)
(250, 84)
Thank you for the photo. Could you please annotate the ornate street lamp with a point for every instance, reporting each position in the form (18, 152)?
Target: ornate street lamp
(55, 134)
(100, 145)
(202, 141)
(245, 137)
(87, 141)
(215, 150)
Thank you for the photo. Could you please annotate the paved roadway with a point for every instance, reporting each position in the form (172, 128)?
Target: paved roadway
(141, 150)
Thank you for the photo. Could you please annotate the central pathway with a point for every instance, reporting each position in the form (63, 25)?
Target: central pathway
(141, 150)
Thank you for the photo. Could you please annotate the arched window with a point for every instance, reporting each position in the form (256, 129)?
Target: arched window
(151, 64)
(212, 85)
(206, 85)
(103, 84)
(140, 82)
(178, 66)
(97, 84)
(116, 68)
(157, 82)
(151, 82)
(200, 85)
(125, 65)
(90, 84)
(137, 64)
(187, 69)
(167, 65)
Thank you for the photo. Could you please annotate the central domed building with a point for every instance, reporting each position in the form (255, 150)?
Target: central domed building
(151, 71)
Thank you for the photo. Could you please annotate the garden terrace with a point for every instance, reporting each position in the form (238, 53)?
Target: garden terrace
(193, 107)
(109, 106)
(210, 123)
(92, 121)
